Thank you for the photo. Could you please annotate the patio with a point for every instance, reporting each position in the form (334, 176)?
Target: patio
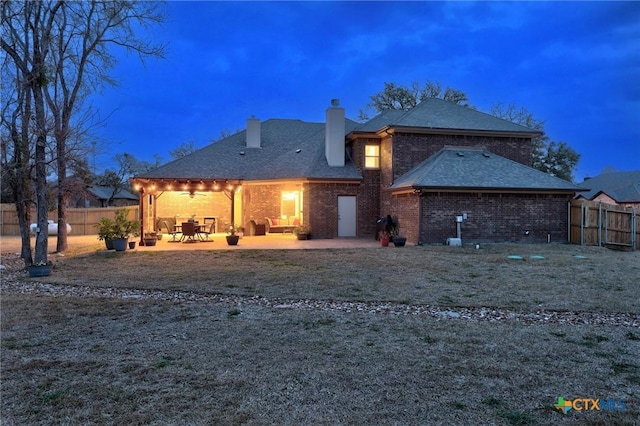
(11, 244)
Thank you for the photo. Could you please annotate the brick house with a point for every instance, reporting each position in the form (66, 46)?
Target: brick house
(424, 167)
(621, 188)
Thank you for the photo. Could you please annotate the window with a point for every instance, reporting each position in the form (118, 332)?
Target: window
(372, 156)
(290, 206)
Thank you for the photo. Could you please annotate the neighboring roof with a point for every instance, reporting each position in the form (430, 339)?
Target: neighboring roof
(436, 113)
(624, 187)
(468, 168)
(277, 158)
(104, 193)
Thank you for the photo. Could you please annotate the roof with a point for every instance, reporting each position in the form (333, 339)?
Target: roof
(290, 149)
(105, 192)
(468, 168)
(433, 113)
(624, 187)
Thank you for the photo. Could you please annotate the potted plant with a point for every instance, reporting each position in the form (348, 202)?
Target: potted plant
(150, 238)
(40, 269)
(106, 232)
(232, 237)
(392, 231)
(122, 229)
(240, 231)
(384, 238)
(303, 232)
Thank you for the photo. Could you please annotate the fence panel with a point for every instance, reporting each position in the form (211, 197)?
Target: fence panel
(593, 223)
(83, 221)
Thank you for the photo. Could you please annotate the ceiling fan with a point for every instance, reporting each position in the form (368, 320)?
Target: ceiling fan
(192, 194)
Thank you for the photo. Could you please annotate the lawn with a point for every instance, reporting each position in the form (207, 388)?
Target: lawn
(384, 336)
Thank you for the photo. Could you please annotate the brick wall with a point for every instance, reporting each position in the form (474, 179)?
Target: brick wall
(494, 217)
(323, 207)
(405, 210)
(264, 200)
(210, 204)
(409, 149)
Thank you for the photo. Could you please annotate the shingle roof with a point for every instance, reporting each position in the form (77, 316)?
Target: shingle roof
(276, 159)
(436, 113)
(104, 193)
(624, 187)
(468, 168)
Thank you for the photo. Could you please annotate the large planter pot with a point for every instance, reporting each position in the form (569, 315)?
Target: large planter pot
(232, 240)
(399, 241)
(384, 242)
(108, 243)
(303, 236)
(120, 244)
(39, 270)
(150, 241)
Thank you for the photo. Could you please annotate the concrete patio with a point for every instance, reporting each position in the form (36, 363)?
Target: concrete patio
(11, 244)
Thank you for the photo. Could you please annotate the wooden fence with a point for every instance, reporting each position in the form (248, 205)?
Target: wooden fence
(82, 221)
(598, 224)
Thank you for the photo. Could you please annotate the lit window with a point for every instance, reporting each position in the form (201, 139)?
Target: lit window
(372, 156)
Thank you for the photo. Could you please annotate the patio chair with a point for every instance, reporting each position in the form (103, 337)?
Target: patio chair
(171, 229)
(188, 232)
(205, 231)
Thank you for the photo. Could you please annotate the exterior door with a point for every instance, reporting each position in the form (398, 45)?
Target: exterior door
(347, 216)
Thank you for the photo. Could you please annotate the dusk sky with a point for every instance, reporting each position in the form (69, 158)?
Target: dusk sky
(574, 65)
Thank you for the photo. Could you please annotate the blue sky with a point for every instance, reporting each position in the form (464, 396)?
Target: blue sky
(574, 65)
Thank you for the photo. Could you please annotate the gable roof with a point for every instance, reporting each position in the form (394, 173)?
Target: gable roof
(624, 187)
(433, 113)
(289, 149)
(469, 168)
(104, 193)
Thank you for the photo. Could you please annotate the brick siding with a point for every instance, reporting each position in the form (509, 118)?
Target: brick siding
(409, 150)
(494, 217)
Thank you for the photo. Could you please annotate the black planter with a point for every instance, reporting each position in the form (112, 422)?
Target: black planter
(232, 240)
(399, 241)
(132, 245)
(304, 236)
(150, 241)
(39, 270)
(108, 243)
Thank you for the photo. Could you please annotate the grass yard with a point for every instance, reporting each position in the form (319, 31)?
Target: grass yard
(187, 337)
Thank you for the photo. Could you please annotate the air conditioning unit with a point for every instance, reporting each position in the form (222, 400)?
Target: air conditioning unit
(455, 242)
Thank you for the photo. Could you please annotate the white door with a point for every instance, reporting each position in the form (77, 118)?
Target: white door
(347, 216)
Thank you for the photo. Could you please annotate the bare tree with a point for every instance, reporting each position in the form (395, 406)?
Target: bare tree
(26, 28)
(61, 52)
(80, 53)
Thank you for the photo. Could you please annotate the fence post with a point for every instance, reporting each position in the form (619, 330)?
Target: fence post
(599, 224)
(582, 220)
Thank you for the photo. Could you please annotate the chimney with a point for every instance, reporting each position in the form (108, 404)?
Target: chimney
(253, 132)
(334, 134)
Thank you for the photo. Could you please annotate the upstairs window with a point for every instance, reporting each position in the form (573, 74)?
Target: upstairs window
(372, 156)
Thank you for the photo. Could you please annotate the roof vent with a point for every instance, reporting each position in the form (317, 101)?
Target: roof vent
(460, 154)
(298, 151)
(486, 154)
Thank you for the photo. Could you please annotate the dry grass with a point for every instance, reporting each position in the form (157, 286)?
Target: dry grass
(606, 281)
(107, 361)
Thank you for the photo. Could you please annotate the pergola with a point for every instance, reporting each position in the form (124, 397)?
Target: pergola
(155, 187)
